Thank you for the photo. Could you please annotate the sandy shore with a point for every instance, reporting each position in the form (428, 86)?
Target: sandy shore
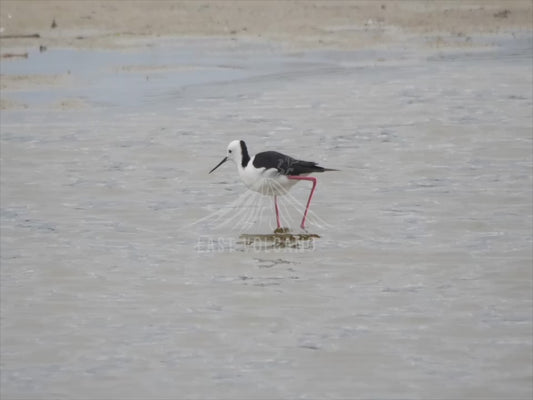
(33, 25)
(338, 24)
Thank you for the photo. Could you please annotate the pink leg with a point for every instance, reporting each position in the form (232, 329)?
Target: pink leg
(305, 178)
(277, 211)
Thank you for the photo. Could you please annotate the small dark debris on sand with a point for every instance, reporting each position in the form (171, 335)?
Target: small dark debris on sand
(21, 36)
(502, 14)
(14, 55)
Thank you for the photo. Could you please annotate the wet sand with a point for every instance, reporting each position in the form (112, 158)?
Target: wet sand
(339, 24)
(124, 272)
(297, 25)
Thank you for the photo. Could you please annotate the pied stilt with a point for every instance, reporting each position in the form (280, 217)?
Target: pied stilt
(272, 173)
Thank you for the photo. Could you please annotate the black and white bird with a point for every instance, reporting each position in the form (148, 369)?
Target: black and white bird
(271, 173)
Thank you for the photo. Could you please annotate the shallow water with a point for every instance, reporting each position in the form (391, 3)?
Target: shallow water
(123, 275)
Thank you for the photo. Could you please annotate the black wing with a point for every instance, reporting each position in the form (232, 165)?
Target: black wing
(285, 165)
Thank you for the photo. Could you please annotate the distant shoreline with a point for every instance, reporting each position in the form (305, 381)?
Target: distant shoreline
(300, 24)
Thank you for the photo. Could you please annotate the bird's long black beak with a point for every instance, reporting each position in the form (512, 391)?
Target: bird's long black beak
(219, 164)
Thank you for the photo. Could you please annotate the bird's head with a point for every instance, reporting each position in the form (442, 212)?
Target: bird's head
(234, 153)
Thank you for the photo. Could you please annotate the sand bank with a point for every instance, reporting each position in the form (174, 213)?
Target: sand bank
(337, 24)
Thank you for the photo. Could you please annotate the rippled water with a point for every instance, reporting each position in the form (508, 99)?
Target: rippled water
(121, 279)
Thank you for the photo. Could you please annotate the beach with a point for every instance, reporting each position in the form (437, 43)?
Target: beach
(307, 24)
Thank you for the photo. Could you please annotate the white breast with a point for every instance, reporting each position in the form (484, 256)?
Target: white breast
(265, 181)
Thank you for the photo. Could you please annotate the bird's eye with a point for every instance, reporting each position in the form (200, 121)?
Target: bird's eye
(229, 151)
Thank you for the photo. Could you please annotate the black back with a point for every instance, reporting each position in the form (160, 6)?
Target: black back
(285, 165)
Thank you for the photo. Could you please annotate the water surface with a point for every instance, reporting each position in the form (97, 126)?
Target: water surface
(121, 280)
